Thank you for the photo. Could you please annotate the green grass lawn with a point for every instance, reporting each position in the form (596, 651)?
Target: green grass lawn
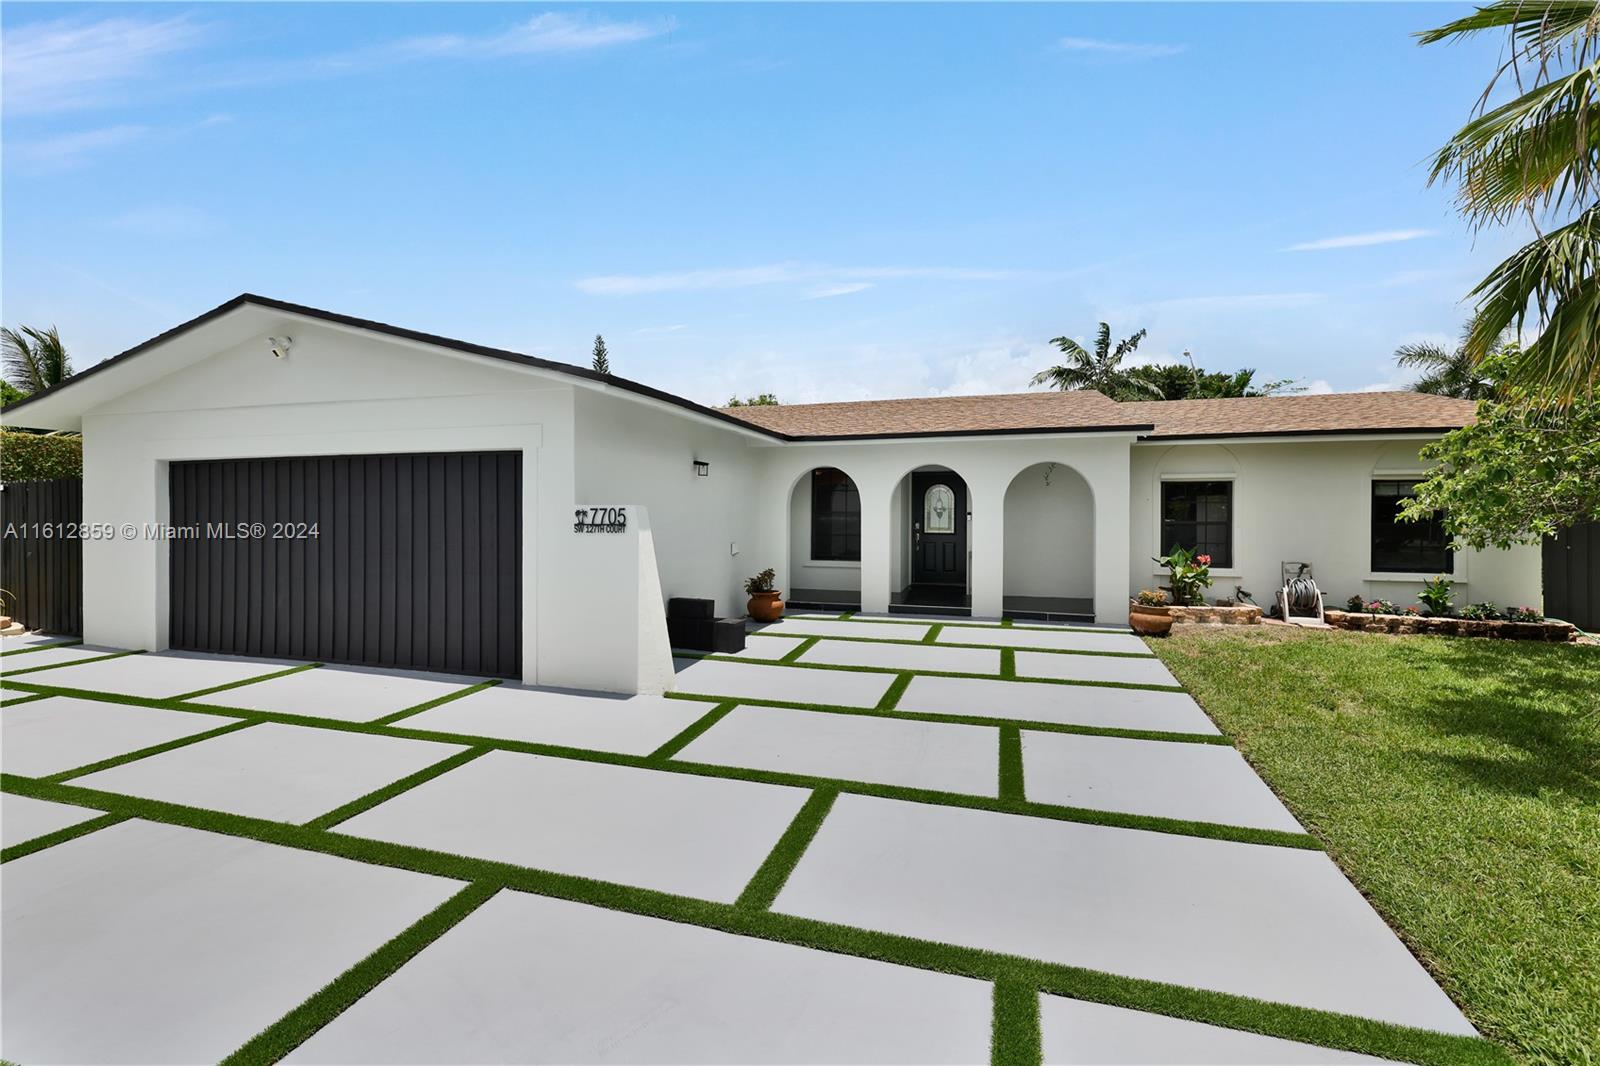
(1457, 782)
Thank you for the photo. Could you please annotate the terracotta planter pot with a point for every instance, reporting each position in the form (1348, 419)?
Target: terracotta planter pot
(765, 606)
(1149, 621)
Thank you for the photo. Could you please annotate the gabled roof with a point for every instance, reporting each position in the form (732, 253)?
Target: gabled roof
(1022, 412)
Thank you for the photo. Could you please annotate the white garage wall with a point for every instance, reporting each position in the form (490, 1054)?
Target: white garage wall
(1308, 501)
(1049, 534)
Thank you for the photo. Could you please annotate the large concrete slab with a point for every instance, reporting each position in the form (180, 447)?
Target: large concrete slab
(1144, 671)
(1275, 923)
(832, 627)
(1079, 1033)
(147, 943)
(22, 817)
(633, 725)
(696, 836)
(1090, 705)
(348, 693)
(59, 733)
(46, 656)
(283, 772)
(1064, 640)
(767, 649)
(159, 676)
(889, 751)
(1203, 782)
(14, 641)
(904, 656)
(790, 684)
(530, 979)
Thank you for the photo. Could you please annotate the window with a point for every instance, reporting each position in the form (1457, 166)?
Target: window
(939, 510)
(835, 516)
(1198, 515)
(1401, 547)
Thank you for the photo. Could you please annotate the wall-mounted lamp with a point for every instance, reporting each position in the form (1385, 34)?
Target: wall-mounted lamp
(279, 346)
(702, 468)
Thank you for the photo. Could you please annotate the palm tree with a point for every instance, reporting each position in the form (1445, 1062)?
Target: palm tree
(1101, 371)
(35, 359)
(1453, 372)
(1537, 156)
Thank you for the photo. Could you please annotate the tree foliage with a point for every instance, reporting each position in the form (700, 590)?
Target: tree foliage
(1514, 476)
(1174, 381)
(39, 456)
(34, 359)
(1100, 370)
(601, 360)
(766, 399)
(1454, 371)
(1536, 156)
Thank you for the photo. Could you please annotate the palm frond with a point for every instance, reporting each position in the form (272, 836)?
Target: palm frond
(1424, 356)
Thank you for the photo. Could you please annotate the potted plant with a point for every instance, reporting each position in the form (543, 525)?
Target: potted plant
(1187, 575)
(765, 604)
(1148, 615)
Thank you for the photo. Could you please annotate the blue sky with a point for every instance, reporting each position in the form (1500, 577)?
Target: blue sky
(830, 202)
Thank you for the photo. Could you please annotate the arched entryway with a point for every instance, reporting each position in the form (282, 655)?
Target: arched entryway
(1049, 545)
(824, 541)
(931, 555)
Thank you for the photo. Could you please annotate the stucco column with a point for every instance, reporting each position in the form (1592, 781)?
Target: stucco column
(876, 499)
(986, 541)
(1112, 535)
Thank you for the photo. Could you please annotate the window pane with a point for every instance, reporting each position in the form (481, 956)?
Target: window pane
(1198, 515)
(835, 516)
(1399, 546)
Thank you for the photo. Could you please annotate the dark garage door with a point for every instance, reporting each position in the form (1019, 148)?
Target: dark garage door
(410, 561)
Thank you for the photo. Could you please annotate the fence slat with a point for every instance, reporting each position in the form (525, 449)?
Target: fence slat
(41, 568)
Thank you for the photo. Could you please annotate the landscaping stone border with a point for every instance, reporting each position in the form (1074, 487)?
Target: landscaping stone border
(1548, 630)
(1247, 614)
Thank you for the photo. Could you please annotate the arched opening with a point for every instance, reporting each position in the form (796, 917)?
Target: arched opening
(930, 553)
(825, 541)
(1049, 545)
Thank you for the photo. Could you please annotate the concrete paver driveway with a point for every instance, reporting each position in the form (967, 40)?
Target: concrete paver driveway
(861, 840)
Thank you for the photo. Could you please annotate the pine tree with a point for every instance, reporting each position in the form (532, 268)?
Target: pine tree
(602, 362)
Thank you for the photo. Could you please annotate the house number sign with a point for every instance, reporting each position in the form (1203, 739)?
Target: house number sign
(600, 520)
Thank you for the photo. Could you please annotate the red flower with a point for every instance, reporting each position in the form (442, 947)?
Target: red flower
(1203, 560)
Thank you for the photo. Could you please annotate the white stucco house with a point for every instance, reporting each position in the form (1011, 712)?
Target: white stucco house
(272, 479)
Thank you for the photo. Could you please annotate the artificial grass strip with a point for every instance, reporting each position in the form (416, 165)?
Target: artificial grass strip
(1182, 827)
(440, 701)
(60, 836)
(1008, 664)
(72, 662)
(29, 698)
(393, 789)
(40, 647)
(295, 1028)
(1016, 1036)
(964, 674)
(1008, 622)
(952, 644)
(1329, 1029)
(1011, 789)
(932, 634)
(145, 753)
(896, 689)
(773, 874)
(798, 650)
(197, 693)
(687, 736)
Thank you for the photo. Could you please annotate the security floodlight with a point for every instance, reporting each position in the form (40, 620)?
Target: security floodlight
(279, 346)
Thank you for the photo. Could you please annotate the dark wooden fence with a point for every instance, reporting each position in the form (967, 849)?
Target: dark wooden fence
(41, 557)
(1572, 576)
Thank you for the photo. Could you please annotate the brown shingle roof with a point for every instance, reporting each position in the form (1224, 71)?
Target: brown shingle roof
(1009, 413)
(1043, 412)
(1336, 412)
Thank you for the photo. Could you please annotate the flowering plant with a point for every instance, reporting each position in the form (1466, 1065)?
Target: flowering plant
(1381, 607)
(1524, 614)
(762, 582)
(1187, 575)
(1151, 598)
(1487, 611)
(1435, 595)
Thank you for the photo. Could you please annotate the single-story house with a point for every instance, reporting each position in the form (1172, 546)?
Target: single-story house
(272, 479)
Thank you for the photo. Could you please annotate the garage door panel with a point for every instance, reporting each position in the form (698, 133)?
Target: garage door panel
(417, 561)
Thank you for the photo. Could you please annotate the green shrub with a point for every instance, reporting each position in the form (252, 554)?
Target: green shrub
(1435, 595)
(1487, 611)
(39, 456)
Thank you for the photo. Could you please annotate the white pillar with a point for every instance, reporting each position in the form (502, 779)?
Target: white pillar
(986, 540)
(876, 530)
(1112, 536)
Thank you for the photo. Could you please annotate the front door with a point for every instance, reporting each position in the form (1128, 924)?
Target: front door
(938, 529)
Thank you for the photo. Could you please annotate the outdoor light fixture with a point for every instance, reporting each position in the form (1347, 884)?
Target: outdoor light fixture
(279, 346)
(702, 468)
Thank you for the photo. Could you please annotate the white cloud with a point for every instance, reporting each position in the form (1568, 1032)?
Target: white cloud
(1317, 387)
(827, 280)
(541, 34)
(844, 288)
(69, 63)
(1360, 240)
(1120, 49)
(70, 149)
(1233, 301)
(675, 327)
(164, 220)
